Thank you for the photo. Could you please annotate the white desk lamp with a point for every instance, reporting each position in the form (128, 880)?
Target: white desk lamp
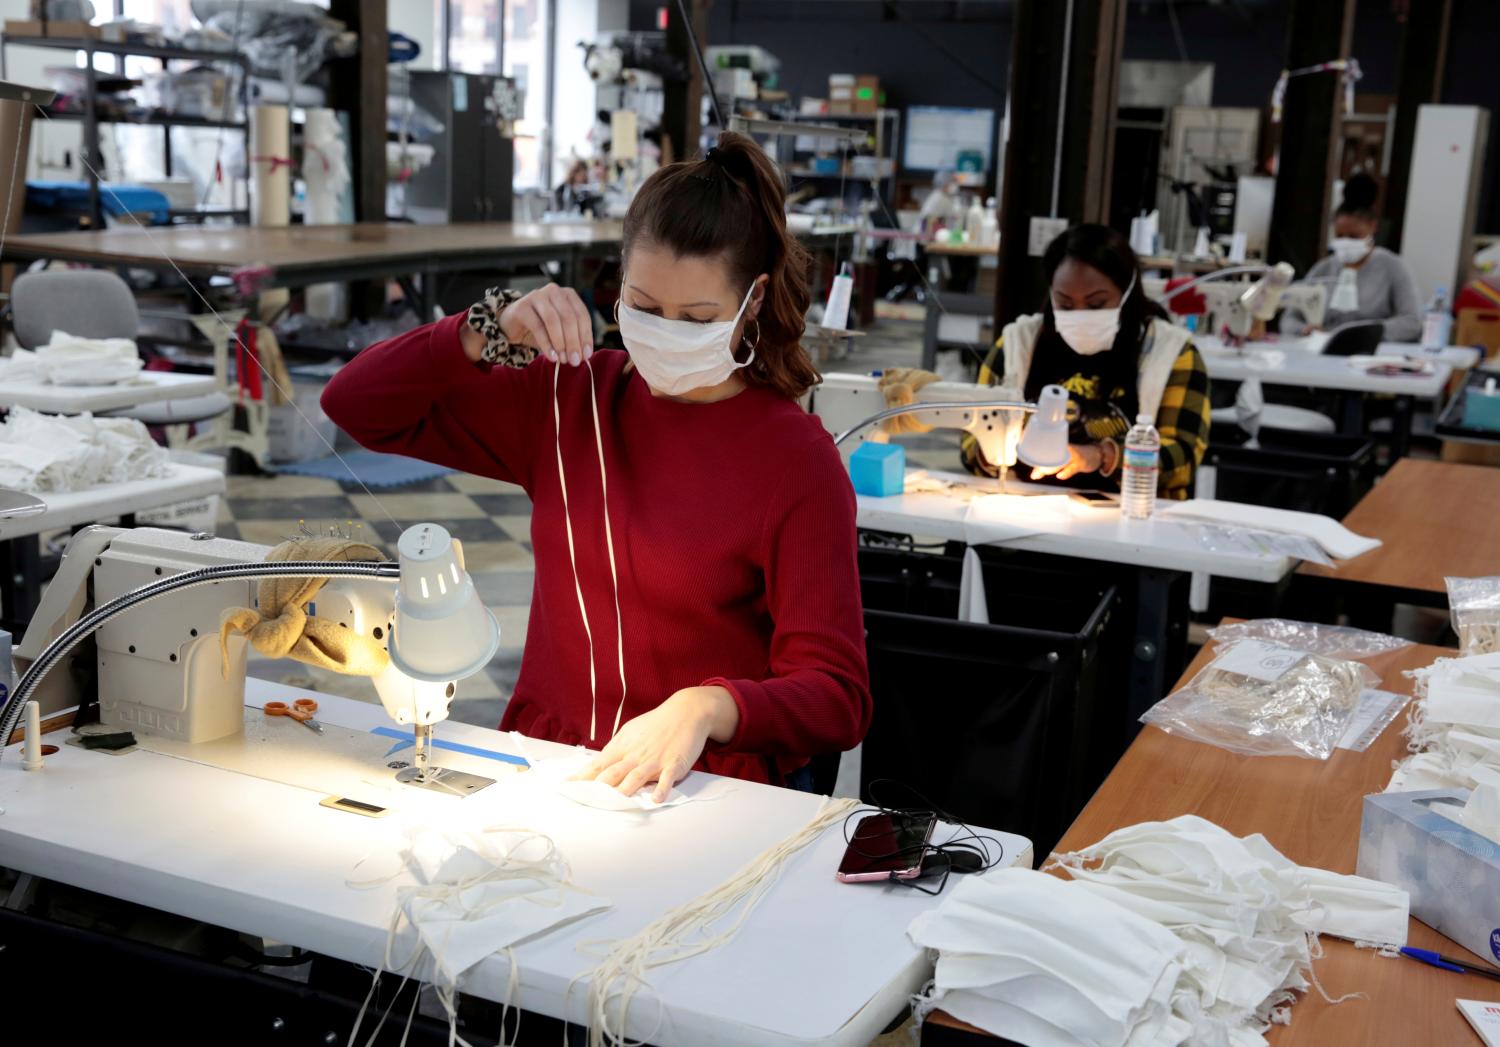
(437, 633)
(1043, 445)
(1239, 307)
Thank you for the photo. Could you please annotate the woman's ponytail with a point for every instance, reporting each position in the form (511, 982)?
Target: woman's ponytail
(733, 203)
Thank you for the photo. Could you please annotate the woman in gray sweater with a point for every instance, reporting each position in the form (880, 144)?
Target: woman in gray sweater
(1366, 282)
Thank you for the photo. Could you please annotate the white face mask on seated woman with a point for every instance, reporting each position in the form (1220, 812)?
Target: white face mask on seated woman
(1090, 331)
(676, 357)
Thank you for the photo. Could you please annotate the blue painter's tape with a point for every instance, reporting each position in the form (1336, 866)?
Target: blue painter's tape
(406, 741)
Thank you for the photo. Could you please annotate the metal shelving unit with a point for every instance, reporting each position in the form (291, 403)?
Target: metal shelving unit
(885, 129)
(91, 118)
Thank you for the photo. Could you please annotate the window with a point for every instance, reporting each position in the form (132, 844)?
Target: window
(527, 60)
(474, 40)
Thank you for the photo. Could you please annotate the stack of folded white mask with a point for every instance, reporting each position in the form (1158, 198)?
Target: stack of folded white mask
(1455, 726)
(1037, 960)
(1239, 919)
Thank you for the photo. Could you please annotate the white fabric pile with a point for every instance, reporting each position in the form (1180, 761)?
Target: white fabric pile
(1169, 933)
(1454, 727)
(44, 453)
(477, 893)
(70, 360)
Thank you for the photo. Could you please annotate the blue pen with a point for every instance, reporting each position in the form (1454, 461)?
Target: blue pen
(1447, 963)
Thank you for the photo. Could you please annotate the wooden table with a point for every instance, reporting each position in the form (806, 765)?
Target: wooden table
(1436, 519)
(962, 250)
(1310, 811)
(297, 255)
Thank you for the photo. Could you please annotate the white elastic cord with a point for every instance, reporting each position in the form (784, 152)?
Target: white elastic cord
(695, 927)
(609, 541)
(583, 611)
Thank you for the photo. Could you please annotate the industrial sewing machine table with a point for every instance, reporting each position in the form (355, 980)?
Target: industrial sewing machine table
(819, 962)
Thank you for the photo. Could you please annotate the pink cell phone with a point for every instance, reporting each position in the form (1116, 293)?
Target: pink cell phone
(887, 847)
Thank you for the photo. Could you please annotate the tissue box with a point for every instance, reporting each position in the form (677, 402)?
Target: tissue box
(878, 469)
(1481, 408)
(1451, 872)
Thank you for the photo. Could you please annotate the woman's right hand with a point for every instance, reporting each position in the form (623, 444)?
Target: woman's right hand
(552, 319)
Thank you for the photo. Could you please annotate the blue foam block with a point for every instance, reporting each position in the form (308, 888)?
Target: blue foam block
(878, 469)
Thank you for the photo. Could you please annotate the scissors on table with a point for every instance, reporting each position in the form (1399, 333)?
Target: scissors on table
(301, 710)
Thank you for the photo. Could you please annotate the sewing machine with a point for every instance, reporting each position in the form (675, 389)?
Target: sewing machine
(1233, 306)
(160, 671)
(842, 401)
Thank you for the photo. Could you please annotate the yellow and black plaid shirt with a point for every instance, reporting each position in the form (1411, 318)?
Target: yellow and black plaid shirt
(1182, 421)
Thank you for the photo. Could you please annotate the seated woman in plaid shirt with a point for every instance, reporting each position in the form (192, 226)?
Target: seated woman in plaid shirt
(1116, 353)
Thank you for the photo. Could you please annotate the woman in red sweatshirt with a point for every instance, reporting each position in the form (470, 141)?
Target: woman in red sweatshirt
(697, 596)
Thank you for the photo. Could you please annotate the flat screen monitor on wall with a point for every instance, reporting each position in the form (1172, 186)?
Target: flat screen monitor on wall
(947, 138)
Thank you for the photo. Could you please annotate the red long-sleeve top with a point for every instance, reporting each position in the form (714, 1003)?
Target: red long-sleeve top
(733, 530)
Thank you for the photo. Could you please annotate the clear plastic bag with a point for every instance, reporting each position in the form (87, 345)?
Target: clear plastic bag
(1331, 641)
(1265, 699)
(1475, 606)
(1248, 541)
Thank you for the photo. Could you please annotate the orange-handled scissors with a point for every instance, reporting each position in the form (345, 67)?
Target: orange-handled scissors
(301, 710)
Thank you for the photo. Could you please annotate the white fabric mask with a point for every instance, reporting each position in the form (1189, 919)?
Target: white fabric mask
(1351, 249)
(678, 356)
(1090, 331)
(1345, 292)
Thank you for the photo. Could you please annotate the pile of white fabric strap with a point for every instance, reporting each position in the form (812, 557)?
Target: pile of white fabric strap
(45, 453)
(1168, 933)
(1454, 727)
(70, 360)
(477, 893)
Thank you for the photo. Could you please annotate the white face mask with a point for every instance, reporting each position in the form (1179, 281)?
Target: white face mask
(1090, 331)
(677, 356)
(1349, 249)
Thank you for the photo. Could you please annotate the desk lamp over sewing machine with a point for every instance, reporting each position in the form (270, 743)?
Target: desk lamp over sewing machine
(844, 402)
(1241, 309)
(162, 673)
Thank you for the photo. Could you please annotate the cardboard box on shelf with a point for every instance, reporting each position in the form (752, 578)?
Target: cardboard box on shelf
(866, 94)
(72, 30)
(23, 27)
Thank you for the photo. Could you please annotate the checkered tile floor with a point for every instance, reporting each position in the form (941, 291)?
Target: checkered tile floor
(491, 518)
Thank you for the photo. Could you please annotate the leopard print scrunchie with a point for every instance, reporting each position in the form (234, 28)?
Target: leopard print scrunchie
(484, 317)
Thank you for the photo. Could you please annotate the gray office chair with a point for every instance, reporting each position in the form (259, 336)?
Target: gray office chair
(95, 303)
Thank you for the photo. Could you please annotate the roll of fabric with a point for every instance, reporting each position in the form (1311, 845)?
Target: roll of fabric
(270, 165)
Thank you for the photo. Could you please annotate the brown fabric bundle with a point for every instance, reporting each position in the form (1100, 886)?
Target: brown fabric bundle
(282, 628)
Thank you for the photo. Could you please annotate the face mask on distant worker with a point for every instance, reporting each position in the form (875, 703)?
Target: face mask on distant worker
(1090, 331)
(678, 356)
(1351, 249)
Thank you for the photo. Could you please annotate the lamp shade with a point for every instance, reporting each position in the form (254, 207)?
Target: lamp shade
(1045, 442)
(441, 632)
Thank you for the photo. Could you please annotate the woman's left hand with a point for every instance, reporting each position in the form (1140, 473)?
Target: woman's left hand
(662, 745)
(1082, 458)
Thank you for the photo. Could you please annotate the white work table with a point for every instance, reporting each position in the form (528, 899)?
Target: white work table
(71, 508)
(146, 387)
(1057, 525)
(817, 962)
(1288, 362)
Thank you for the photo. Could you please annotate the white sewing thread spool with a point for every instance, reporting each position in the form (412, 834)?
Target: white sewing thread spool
(31, 754)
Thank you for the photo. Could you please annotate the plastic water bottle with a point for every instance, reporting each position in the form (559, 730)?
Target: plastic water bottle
(1142, 462)
(1437, 323)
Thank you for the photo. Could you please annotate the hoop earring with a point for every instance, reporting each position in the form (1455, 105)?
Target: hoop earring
(752, 346)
